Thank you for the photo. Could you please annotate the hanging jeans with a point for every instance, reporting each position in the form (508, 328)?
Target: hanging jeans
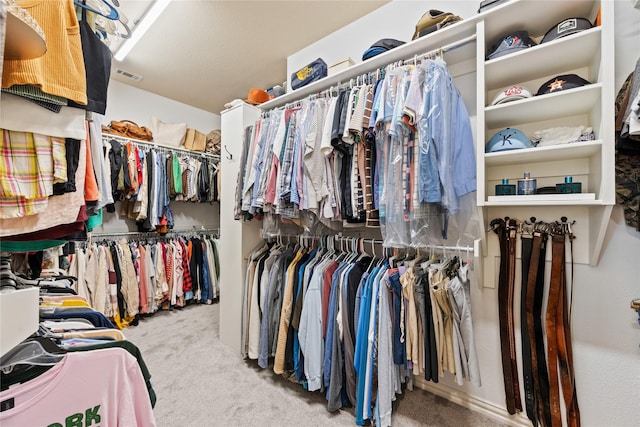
(399, 355)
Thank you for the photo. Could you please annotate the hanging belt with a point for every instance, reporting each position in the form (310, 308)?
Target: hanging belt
(512, 241)
(565, 353)
(526, 311)
(534, 297)
(551, 324)
(507, 239)
(559, 337)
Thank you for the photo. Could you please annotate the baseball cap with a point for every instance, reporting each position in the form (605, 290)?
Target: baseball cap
(508, 139)
(275, 91)
(381, 46)
(434, 20)
(563, 82)
(257, 96)
(566, 28)
(511, 93)
(510, 43)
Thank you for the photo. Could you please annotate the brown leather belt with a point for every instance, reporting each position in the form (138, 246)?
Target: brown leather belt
(507, 237)
(533, 297)
(559, 336)
(526, 311)
(542, 386)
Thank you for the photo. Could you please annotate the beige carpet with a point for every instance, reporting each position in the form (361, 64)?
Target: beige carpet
(202, 382)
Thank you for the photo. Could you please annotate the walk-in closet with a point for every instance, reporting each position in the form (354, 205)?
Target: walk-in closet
(285, 213)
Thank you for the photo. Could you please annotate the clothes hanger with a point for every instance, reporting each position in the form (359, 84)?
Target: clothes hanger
(360, 249)
(354, 251)
(113, 12)
(340, 251)
(373, 257)
(28, 353)
(419, 257)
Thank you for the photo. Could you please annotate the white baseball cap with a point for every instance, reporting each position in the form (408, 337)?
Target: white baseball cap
(511, 93)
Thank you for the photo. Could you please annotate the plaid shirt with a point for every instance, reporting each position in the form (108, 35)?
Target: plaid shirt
(285, 207)
(187, 283)
(26, 173)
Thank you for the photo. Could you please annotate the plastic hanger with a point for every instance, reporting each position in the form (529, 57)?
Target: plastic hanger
(342, 254)
(419, 257)
(354, 251)
(113, 12)
(373, 257)
(28, 353)
(360, 250)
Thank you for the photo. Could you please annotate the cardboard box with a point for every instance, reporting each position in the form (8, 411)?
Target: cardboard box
(340, 66)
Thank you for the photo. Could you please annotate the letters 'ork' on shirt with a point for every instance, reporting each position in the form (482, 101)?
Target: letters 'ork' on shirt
(97, 388)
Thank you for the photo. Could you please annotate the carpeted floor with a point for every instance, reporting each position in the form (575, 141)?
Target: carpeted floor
(202, 382)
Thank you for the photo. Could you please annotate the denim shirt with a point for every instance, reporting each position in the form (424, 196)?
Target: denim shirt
(262, 148)
(445, 127)
(266, 160)
(330, 326)
(301, 130)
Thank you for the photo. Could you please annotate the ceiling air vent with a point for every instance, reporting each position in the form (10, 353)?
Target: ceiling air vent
(128, 75)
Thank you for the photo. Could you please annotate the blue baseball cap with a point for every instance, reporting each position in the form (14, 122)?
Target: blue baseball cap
(507, 139)
(513, 42)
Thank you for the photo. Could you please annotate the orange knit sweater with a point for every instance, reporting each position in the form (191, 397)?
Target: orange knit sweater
(60, 71)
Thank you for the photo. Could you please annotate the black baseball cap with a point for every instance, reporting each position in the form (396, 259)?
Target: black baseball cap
(563, 82)
(566, 28)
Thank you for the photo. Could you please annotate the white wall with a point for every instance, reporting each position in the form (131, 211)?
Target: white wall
(394, 20)
(605, 330)
(130, 103)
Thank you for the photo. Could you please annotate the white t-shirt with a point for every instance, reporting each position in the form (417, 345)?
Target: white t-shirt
(95, 388)
(20, 114)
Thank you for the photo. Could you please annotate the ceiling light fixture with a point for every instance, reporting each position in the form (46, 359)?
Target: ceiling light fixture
(149, 17)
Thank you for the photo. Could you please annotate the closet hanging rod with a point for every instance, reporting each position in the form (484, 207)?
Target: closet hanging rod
(403, 54)
(454, 248)
(138, 142)
(359, 239)
(154, 234)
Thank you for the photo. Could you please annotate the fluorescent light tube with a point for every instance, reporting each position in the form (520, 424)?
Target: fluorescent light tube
(141, 27)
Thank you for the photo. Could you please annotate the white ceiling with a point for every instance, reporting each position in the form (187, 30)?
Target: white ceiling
(205, 53)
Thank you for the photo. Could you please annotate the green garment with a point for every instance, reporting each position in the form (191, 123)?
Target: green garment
(94, 221)
(35, 93)
(177, 174)
(35, 246)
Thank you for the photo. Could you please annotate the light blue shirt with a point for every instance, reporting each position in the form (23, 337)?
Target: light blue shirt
(360, 358)
(445, 124)
(331, 316)
(310, 331)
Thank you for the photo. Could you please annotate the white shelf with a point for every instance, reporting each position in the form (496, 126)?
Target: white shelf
(545, 199)
(574, 150)
(451, 34)
(533, 15)
(568, 53)
(587, 53)
(566, 103)
(19, 316)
